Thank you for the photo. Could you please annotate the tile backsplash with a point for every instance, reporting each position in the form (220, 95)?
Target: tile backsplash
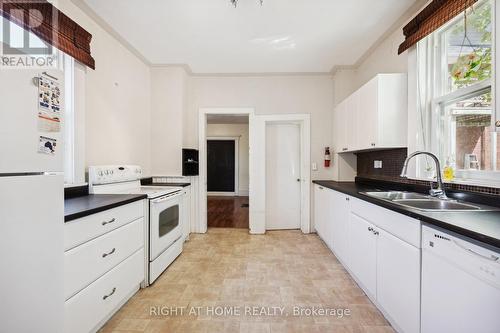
(392, 164)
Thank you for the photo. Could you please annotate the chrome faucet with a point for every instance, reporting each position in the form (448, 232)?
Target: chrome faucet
(438, 192)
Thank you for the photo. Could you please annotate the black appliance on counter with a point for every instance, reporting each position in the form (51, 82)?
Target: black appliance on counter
(190, 165)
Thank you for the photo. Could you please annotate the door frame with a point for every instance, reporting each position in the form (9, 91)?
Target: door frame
(259, 174)
(200, 226)
(236, 140)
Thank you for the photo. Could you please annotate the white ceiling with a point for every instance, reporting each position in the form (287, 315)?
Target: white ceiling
(227, 119)
(289, 36)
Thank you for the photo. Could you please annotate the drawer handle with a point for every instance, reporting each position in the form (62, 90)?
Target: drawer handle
(104, 255)
(109, 295)
(108, 222)
(370, 229)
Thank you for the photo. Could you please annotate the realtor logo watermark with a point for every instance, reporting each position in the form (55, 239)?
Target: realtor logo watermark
(20, 47)
(249, 311)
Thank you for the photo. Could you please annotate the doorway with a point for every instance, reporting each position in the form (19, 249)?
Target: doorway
(283, 176)
(227, 151)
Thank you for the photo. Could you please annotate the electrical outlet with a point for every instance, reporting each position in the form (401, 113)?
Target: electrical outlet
(377, 164)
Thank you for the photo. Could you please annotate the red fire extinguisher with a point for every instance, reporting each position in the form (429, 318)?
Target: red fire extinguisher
(327, 157)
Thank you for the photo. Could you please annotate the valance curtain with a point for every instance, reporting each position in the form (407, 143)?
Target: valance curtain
(50, 25)
(431, 18)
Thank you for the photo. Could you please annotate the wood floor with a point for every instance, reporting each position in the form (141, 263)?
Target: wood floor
(227, 212)
(231, 269)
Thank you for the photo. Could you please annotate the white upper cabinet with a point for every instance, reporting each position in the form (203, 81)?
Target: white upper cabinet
(375, 116)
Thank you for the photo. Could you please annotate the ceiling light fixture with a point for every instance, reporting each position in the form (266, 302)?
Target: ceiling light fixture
(235, 2)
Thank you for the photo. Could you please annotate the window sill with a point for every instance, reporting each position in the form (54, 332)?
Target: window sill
(466, 181)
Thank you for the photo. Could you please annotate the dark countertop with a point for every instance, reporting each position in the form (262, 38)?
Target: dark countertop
(77, 207)
(483, 226)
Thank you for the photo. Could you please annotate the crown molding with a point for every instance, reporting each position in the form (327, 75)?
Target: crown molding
(104, 25)
(405, 18)
(402, 21)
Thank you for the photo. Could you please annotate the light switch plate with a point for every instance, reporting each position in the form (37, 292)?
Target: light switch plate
(315, 166)
(377, 164)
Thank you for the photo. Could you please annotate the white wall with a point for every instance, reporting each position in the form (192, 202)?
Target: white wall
(241, 131)
(168, 106)
(117, 99)
(383, 59)
(271, 95)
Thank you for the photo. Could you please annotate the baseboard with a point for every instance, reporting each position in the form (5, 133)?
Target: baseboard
(243, 193)
(222, 194)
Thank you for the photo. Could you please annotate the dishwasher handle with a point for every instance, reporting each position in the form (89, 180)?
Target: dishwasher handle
(491, 257)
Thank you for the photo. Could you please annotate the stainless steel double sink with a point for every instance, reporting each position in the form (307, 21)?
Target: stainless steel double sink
(425, 202)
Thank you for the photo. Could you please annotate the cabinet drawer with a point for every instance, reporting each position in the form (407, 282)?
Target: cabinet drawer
(401, 226)
(87, 309)
(82, 230)
(85, 263)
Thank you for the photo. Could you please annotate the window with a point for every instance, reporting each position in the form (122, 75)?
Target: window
(459, 74)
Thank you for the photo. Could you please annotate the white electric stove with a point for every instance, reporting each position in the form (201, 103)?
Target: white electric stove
(163, 212)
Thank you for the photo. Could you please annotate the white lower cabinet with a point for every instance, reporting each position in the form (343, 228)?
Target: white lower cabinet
(398, 281)
(104, 267)
(363, 253)
(339, 219)
(322, 214)
(87, 310)
(381, 250)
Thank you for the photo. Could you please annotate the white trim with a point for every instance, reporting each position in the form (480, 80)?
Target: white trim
(222, 194)
(257, 174)
(200, 224)
(236, 140)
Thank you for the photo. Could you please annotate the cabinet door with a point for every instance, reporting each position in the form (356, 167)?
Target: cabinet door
(363, 253)
(367, 117)
(340, 127)
(350, 114)
(398, 281)
(340, 225)
(320, 213)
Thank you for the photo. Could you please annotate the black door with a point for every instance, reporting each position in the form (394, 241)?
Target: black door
(220, 166)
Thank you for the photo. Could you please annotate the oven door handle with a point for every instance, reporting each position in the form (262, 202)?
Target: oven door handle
(168, 197)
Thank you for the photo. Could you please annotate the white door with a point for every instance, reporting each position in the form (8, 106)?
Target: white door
(363, 253)
(283, 176)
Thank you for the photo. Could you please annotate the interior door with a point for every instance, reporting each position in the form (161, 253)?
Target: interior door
(221, 166)
(283, 176)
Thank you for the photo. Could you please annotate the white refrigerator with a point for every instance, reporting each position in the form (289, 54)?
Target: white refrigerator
(31, 203)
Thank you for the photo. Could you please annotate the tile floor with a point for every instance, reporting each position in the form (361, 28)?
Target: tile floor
(228, 269)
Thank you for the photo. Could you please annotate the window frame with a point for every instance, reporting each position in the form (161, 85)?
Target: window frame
(440, 140)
